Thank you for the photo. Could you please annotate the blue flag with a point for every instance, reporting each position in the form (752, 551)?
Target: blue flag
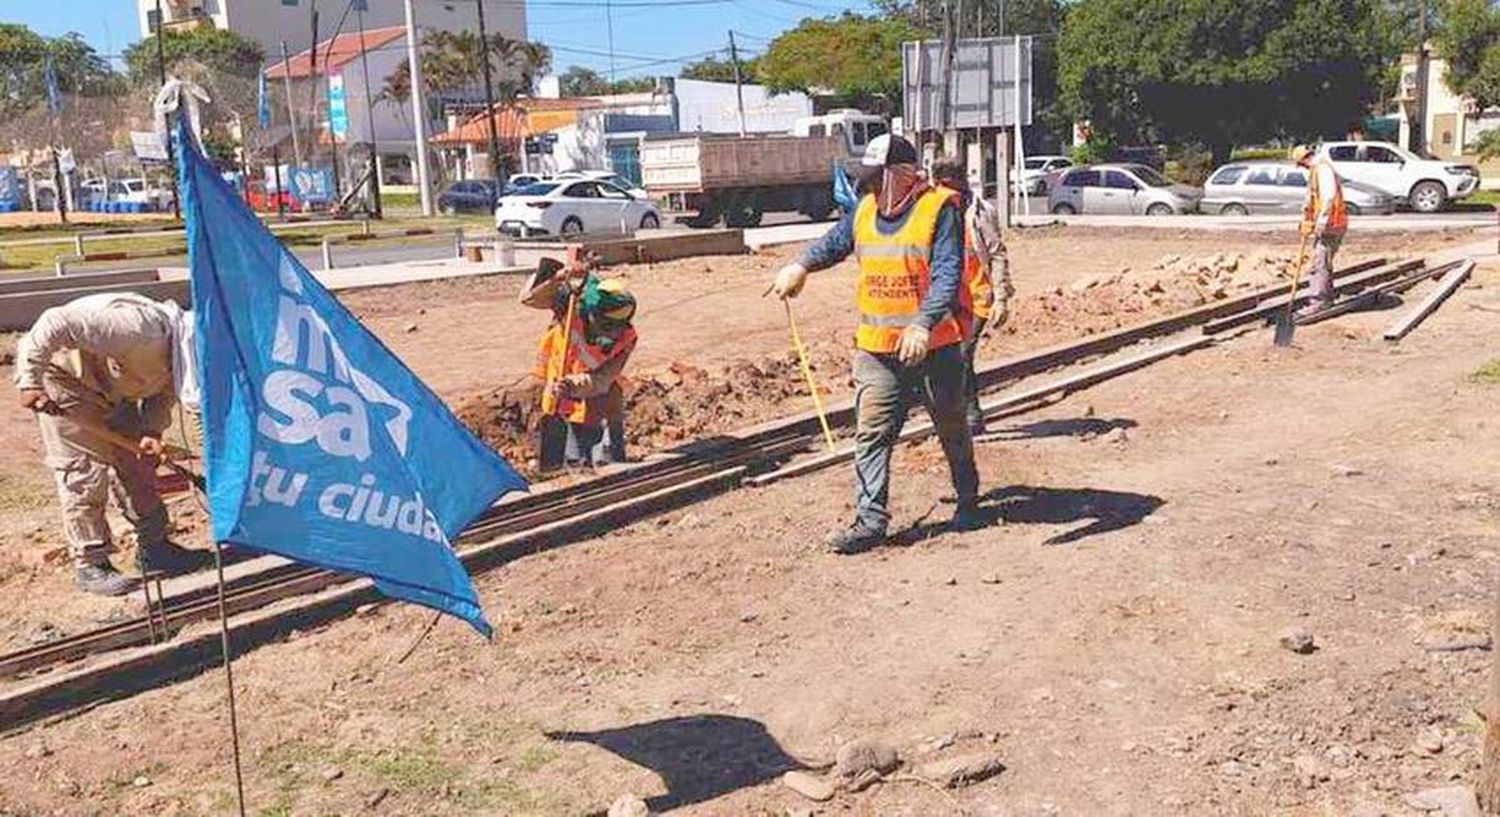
(844, 194)
(54, 97)
(263, 101)
(319, 444)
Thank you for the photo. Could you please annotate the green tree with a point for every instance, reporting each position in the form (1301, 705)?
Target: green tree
(453, 62)
(852, 56)
(23, 59)
(578, 80)
(1469, 39)
(217, 51)
(1229, 72)
(714, 69)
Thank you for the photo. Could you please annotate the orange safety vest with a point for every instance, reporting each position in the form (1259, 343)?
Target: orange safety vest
(895, 273)
(581, 357)
(1338, 220)
(977, 294)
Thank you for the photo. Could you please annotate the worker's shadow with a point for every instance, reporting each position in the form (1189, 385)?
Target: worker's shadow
(1104, 511)
(1076, 427)
(699, 758)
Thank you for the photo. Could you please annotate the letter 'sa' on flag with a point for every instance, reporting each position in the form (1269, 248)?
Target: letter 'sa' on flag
(320, 445)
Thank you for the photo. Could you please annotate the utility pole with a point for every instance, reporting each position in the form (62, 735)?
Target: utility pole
(418, 108)
(291, 113)
(161, 75)
(739, 87)
(364, 63)
(1416, 131)
(609, 23)
(489, 97)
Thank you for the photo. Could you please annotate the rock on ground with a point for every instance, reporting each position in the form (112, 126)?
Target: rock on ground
(628, 805)
(858, 756)
(959, 771)
(809, 786)
(1449, 801)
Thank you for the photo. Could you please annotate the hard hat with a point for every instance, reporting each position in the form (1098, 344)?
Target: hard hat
(1301, 153)
(886, 150)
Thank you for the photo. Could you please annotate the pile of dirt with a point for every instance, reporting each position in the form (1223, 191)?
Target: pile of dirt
(664, 407)
(1100, 303)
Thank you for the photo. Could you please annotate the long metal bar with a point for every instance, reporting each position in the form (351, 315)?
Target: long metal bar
(1446, 287)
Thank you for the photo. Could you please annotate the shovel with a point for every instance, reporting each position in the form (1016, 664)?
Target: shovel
(1286, 324)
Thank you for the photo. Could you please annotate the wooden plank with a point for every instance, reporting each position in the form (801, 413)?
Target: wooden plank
(1342, 283)
(1448, 285)
(123, 675)
(1373, 294)
(1002, 402)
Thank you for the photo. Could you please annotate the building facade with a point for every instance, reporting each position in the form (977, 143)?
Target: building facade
(270, 22)
(1451, 123)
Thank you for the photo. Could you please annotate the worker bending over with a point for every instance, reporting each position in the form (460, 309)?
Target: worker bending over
(985, 290)
(579, 362)
(908, 237)
(109, 363)
(1325, 219)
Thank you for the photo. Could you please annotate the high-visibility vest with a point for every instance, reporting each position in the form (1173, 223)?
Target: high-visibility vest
(977, 295)
(895, 273)
(1338, 220)
(581, 357)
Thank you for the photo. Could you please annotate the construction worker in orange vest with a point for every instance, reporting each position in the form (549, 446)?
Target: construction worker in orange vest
(1325, 219)
(908, 238)
(579, 361)
(984, 295)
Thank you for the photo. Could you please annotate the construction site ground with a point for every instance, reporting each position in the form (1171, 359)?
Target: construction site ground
(1116, 641)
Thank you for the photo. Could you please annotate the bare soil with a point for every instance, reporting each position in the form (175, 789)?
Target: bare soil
(1115, 641)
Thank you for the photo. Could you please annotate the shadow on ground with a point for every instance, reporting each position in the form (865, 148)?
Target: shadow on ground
(699, 758)
(1076, 427)
(1104, 511)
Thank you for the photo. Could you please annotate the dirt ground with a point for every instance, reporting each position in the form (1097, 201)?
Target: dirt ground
(1114, 641)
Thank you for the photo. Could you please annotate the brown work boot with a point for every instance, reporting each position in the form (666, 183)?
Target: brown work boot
(165, 557)
(104, 580)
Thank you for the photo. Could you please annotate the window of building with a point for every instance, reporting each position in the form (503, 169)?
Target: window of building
(153, 19)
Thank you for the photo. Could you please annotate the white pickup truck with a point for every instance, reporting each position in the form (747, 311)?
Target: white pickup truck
(1426, 185)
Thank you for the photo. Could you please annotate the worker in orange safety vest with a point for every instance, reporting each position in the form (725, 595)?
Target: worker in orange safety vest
(1325, 219)
(579, 362)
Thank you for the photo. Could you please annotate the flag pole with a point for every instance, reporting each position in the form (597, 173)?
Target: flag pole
(234, 725)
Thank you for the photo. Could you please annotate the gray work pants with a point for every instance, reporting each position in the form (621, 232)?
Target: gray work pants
(88, 469)
(884, 390)
(1321, 267)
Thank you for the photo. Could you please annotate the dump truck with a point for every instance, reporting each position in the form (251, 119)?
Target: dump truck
(737, 179)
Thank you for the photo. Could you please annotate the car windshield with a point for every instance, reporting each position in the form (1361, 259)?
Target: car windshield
(1149, 176)
(538, 189)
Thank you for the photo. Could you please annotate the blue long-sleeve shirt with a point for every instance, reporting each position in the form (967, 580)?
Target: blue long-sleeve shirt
(947, 257)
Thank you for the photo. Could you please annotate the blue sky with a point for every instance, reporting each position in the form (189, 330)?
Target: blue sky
(643, 35)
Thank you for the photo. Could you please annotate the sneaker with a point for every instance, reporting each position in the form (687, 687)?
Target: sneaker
(968, 517)
(172, 559)
(104, 580)
(856, 538)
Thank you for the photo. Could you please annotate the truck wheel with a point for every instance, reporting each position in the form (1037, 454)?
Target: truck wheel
(742, 211)
(1428, 197)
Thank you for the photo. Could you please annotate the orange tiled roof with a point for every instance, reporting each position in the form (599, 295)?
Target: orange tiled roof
(335, 52)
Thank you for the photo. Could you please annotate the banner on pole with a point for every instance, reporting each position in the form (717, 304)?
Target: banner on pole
(320, 445)
(338, 110)
(263, 100)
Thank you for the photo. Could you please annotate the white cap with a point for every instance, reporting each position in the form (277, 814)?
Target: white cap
(886, 150)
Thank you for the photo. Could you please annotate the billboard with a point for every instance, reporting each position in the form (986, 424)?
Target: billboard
(989, 84)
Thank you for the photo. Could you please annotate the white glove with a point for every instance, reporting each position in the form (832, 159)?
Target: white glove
(789, 281)
(913, 346)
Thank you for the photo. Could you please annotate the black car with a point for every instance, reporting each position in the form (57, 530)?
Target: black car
(472, 196)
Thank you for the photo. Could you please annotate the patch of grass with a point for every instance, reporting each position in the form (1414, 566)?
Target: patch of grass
(1488, 374)
(21, 494)
(1484, 197)
(535, 758)
(414, 770)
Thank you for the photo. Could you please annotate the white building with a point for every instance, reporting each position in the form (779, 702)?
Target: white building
(1452, 124)
(269, 22)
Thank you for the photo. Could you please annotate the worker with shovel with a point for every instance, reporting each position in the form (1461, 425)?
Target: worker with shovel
(579, 362)
(985, 290)
(98, 370)
(908, 237)
(1325, 219)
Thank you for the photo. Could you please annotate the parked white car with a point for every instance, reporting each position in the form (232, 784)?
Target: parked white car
(569, 207)
(1427, 185)
(1120, 190)
(605, 176)
(1040, 173)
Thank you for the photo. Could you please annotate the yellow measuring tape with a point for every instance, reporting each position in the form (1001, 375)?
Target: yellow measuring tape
(812, 385)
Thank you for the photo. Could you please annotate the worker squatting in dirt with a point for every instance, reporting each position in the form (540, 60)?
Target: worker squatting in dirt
(908, 238)
(579, 362)
(98, 371)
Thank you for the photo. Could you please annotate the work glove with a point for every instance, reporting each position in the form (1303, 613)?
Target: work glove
(39, 401)
(789, 281)
(913, 346)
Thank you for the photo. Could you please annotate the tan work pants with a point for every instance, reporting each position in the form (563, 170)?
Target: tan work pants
(89, 468)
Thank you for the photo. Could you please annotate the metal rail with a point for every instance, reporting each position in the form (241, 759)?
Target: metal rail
(548, 519)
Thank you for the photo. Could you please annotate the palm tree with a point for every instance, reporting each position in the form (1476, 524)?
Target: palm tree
(452, 63)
